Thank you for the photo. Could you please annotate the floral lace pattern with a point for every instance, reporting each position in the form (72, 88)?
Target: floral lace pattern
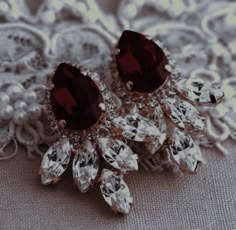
(199, 34)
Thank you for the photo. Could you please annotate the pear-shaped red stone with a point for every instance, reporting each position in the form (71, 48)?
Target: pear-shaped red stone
(75, 98)
(141, 61)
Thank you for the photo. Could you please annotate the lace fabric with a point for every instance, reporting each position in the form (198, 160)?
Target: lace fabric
(199, 34)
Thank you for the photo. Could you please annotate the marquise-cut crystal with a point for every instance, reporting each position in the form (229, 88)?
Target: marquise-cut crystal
(85, 166)
(141, 61)
(75, 98)
(115, 191)
(55, 161)
(136, 127)
(183, 113)
(185, 152)
(157, 141)
(118, 154)
(198, 90)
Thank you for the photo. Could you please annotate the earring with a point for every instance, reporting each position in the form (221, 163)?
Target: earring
(158, 106)
(81, 110)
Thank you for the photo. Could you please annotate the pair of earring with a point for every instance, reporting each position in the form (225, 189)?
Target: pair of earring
(150, 112)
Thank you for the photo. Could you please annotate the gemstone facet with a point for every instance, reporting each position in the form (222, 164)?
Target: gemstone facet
(75, 98)
(141, 62)
(118, 154)
(157, 141)
(201, 91)
(115, 191)
(55, 161)
(185, 152)
(138, 128)
(183, 113)
(85, 166)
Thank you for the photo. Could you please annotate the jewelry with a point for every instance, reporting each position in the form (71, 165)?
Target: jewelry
(81, 111)
(157, 108)
(196, 40)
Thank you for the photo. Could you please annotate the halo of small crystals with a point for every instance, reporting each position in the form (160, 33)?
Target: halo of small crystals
(95, 131)
(141, 99)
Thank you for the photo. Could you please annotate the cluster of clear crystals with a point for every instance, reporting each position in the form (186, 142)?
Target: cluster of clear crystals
(115, 191)
(185, 152)
(151, 129)
(183, 113)
(118, 154)
(55, 161)
(198, 90)
(85, 166)
(164, 95)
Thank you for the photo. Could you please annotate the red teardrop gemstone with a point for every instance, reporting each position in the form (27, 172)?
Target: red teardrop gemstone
(141, 61)
(75, 98)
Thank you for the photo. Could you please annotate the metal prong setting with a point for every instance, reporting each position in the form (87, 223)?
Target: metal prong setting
(62, 124)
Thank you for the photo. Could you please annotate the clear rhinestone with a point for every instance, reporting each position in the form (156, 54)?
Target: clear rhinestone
(85, 166)
(136, 127)
(157, 141)
(55, 161)
(118, 154)
(183, 113)
(106, 96)
(201, 91)
(102, 86)
(185, 152)
(115, 191)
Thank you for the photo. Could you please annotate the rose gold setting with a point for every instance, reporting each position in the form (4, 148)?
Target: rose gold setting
(107, 107)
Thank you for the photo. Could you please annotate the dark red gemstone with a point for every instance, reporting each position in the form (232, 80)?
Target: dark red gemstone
(141, 61)
(75, 98)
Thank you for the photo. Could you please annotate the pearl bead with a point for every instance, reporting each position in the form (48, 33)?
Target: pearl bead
(48, 17)
(230, 21)
(4, 98)
(30, 96)
(20, 117)
(20, 105)
(4, 7)
(6, 112)
(34, 112)
(15, 91)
